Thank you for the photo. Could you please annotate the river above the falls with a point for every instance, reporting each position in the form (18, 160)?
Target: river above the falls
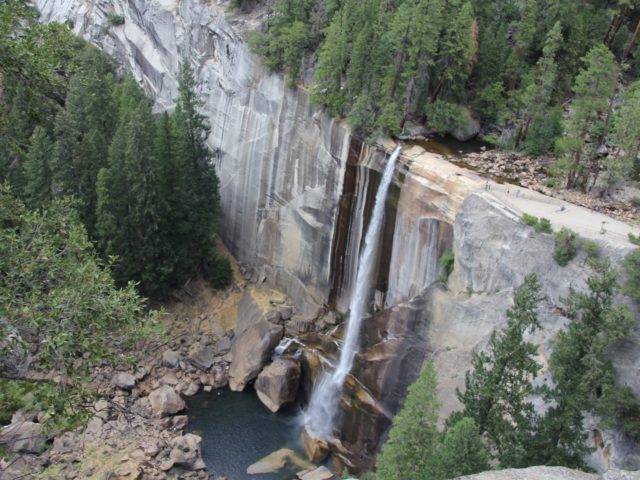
(237, 431)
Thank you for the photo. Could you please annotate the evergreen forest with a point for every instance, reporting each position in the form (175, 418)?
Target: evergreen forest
(554, 77)
(143, 185)
(102, 201)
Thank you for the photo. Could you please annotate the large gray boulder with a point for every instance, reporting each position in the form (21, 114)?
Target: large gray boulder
(278, 383)
(23, 436)
(165, 401)
(124, 380)
(466, 128)
(251, 351)
(185, 451)
(551, 473)
(201, 356)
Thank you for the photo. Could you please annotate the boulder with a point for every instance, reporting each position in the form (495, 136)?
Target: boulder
(185, 451)
(170, 358)
(124, 380)
(179, 422)
(223, 346)
(286, 313)
(617, 474)
(315, 448)
(220, 380)
(466, 128)
(94, 427)
(102, 408)
(250, 351)
(272, 316)
(23, 437)
(165, 401)
(299, 325)
(68, 442)
(169, 379)
(201, 356)
(191, 389)
(533, 473)
(283, 458)
(320, 473)
(278, 383)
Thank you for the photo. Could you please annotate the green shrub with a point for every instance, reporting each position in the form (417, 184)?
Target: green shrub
(635, 201)
(446, 266)
(631, 267)
(566, 246)
(543, 226)
(551, 182)
(221, 274)
(540, 225)
(115, 19)
(528, 219)
(592, 249)
(34, 397)
(635, 239)
(545, 128)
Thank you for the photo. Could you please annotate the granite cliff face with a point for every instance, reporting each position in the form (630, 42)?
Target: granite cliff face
(297, 192)
(296, 189)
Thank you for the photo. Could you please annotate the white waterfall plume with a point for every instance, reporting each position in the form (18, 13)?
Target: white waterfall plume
(325, 399)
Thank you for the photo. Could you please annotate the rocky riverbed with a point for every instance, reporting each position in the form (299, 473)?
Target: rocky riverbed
(531, 172)
(138, 418)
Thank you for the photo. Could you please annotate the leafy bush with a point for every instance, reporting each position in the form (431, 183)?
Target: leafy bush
(592, 249)
(543, 226)
(631, 267)
(540, 225)
(65, 310)
(635, 201)
(543, 132)
(566, 246)
(446, 266)
(635, 239)
(443, 117)
(551, 182)
(34, 397)
(528, 219)
(115, 19)
(221, 274)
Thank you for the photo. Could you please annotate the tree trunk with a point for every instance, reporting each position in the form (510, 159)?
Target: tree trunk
(522, 132)
(439, 86)
(632, 42)
(605, 128)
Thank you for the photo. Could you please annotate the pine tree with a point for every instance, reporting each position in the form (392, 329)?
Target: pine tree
(497, 389)
(626, 137)
(462, 451)
(333, 59)
(83, 133)
(134, 221)
(37, 173)
(409, 453)
(201, 202)
(456, 53)
(582, 373)
(594, 89)
(538, 93)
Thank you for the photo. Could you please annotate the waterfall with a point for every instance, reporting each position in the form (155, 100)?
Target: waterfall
(325, 399)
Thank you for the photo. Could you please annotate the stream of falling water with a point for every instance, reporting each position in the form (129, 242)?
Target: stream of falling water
(321, 414)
